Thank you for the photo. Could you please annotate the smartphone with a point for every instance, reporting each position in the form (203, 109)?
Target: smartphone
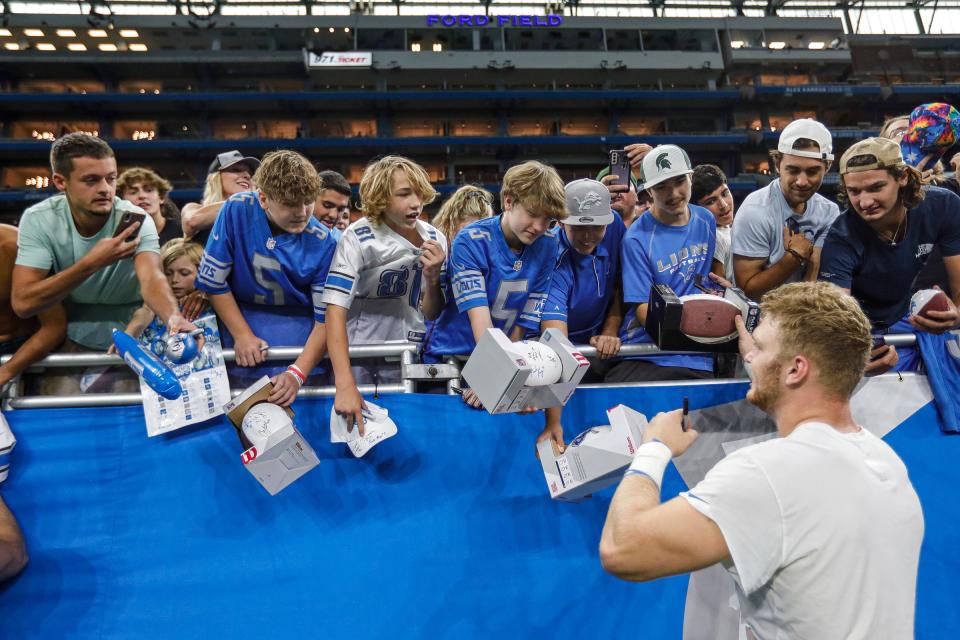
(620, 167)
(128, 218)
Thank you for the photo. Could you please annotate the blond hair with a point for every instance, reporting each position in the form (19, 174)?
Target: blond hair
(173, 250)
(376, 185)
(288, 178)
(885, 128)
(213, 189)
(537, 188)
(146, 177)
(825, 324)
(466, 202)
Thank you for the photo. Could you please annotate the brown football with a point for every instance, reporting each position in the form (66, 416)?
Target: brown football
(708, 319)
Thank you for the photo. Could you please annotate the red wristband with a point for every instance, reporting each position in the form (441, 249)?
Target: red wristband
(297, 373)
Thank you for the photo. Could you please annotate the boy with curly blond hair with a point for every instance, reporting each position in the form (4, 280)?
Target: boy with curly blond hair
(264, 268)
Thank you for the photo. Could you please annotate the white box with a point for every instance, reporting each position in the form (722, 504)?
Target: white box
(287, 455)
(595, 459)
(497, 373)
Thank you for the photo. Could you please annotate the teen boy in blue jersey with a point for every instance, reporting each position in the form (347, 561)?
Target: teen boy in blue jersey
(265, 266)
(876, 248)
(500, 267)
(584, 297)
(387, 264)
(671, 244)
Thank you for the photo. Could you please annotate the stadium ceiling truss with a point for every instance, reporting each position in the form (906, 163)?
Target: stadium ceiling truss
(203, 13)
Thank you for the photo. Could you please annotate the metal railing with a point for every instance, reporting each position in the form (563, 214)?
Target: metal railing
(411, 372)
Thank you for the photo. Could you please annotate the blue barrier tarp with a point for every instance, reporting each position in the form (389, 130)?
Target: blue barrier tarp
(445, 531)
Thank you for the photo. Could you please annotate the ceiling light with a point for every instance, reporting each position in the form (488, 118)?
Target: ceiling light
(437, 46)
(97, 33)
(11, 46)
(737, 44)
(77, 46)
(332, 29)
(33, 33)
(137, 46)
(346, 29)
(129, 33)
(45, 46)
(107, 46)
(777, 45)
(316, 29)
(415, 47)
(66, 33)
(816, 45)
(5, 33)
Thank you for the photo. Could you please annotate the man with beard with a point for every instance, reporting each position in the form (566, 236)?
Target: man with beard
(820, 528)
(780, 229)
(73, 250)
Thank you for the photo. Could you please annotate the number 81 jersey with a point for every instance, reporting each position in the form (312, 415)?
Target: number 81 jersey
(376, 274)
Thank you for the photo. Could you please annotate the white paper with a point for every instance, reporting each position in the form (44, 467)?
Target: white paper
(204, 380)
(377, 427)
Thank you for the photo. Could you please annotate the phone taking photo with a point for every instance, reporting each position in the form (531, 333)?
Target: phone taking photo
(128, 219)
(620, 167)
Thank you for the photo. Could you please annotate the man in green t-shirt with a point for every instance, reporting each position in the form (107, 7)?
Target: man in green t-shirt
(67, 251)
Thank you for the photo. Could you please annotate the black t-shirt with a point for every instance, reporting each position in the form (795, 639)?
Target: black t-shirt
(881, 275)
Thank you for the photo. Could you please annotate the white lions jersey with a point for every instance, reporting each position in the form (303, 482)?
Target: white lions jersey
(376, 274)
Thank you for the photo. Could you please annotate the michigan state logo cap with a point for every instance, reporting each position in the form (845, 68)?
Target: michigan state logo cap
(662, 163)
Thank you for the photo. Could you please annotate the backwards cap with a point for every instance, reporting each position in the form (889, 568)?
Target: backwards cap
(811, 130)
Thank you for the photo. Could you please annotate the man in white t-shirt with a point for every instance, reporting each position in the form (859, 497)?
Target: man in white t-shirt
(821, 527)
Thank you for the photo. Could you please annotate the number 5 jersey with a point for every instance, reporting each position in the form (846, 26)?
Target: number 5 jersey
(484, 271)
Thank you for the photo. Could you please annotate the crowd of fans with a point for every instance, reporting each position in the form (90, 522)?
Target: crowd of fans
(271, 251)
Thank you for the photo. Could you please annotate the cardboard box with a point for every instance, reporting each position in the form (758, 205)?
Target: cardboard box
(595, 459)
(498, 373)
(287, 455)
(663, 321)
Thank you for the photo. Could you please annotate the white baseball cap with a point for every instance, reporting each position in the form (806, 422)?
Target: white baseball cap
(662, 163)
(588, 203)
(811, 130)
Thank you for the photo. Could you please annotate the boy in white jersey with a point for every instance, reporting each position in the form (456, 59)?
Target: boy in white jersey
(819, 528)
(385, 263)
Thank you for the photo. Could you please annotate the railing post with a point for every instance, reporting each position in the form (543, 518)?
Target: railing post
(406, 359)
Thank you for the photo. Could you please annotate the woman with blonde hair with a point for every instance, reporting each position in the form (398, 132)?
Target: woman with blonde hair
(230, 173)
(467, 204)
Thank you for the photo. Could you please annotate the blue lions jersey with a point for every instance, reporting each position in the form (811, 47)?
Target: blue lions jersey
(484, 271)
(656, 253)
(274, 279)
(583, 286)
